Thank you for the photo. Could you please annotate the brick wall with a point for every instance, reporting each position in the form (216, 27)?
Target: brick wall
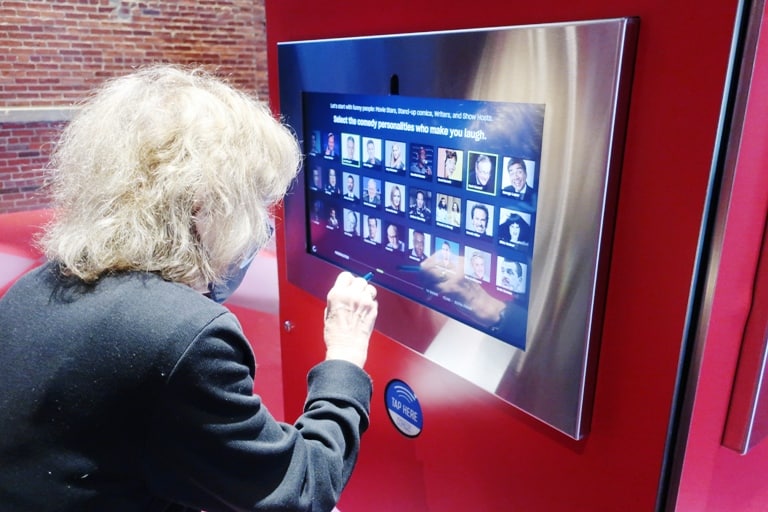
(55, 50)
(23, 154)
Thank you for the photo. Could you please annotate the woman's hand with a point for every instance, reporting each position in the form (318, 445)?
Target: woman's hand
(350, 313)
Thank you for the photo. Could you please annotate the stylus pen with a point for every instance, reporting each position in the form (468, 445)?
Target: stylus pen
(368, 276)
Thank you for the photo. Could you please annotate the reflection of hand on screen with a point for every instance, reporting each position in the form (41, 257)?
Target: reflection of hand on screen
(482, 307)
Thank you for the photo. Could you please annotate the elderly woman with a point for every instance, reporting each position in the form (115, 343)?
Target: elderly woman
(126, 385)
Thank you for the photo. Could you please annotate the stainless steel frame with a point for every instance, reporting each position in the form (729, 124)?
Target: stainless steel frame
(581, 71)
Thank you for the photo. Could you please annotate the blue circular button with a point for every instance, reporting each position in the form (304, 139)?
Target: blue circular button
(403, 408)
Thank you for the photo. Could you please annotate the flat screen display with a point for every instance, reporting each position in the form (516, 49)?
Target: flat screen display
(436, 197)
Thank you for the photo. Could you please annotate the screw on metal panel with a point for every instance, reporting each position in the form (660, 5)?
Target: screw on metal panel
(288, 326)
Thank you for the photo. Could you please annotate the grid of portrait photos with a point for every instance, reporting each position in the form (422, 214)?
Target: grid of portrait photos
(389, 200)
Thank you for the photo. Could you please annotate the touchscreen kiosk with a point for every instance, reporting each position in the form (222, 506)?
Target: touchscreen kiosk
(474, 173)
(439, 200)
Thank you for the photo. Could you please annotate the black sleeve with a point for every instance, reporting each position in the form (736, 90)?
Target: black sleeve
(214, 445)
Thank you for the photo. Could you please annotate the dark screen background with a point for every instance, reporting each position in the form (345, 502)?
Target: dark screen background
(484, 137)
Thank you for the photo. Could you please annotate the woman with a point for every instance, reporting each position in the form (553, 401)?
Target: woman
(442, 214)
(128, 387)
(395, 200)
(455, 213)
(449, 165)
(515, 230)
(396, 160)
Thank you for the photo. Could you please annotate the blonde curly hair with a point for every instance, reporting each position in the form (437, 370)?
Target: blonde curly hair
(167, 170)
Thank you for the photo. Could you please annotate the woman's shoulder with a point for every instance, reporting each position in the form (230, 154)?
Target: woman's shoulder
(139, 310)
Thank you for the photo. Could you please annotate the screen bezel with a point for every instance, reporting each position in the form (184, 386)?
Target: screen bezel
(581, 72)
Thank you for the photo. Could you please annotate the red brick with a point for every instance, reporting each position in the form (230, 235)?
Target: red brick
(56, 50)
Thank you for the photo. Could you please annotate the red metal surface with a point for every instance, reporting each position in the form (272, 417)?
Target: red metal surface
(475, 452)
(17, 252)
(714, 477)
(750, 165)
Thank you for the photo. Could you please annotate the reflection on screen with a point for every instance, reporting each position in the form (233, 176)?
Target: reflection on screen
(437, 197)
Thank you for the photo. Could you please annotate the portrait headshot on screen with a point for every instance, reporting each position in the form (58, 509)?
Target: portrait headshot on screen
(372, 232)
(351, 155)
(515, 228)
(482, 177)
(419, 208)
(447, 259)
(419, 246)
(395, 202)
(372, 196)
(372, 153)
(394, 243)
(455, 218)
(317, 180)
(441, 210)
(317, 212)
(333, 220)
(518, 182)
(476, 265)
(331, 151)
(480, 219)
(510, 275)
(396, 158)
(350, 187)
(351, 223)
(449, 165)
(332, 187)
(314, 143)
(421, 163)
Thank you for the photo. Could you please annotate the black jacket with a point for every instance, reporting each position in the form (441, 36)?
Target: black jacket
(135, 394)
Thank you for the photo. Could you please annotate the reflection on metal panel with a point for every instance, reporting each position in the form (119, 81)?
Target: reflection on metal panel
(581, 73)
(747, 422)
